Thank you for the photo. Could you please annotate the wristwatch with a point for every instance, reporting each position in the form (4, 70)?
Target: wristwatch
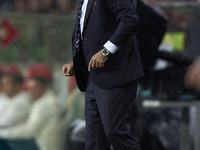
(105, 52)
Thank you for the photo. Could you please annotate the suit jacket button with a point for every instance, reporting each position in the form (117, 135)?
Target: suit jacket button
(84, 38)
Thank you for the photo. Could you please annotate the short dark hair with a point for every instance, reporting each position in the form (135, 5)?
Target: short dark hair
(40, 79)
(17, 78)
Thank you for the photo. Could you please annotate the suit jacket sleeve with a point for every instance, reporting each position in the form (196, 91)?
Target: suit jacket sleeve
(127, 18)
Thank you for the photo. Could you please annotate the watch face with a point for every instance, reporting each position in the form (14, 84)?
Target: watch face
(105, 52)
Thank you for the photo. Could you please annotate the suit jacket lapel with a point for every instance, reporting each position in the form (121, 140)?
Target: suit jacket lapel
(89, 7)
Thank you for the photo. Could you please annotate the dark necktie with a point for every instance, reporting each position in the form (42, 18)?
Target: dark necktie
(77, 28)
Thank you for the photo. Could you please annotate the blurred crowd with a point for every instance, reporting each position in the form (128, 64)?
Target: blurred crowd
(31, 115)
(39, 6)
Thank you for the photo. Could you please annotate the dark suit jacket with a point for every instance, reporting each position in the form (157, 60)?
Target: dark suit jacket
(117, 21)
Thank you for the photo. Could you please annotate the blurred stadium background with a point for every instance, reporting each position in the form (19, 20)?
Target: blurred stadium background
(45, 29)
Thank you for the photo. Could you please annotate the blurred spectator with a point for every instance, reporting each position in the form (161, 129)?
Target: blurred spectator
(18, 106)
(192, 81)
(19, 5)
(3, 101)
(47, 6)
(192, 77)
(74, 110)
(65, 6)
(36, 6)
(32, 71)
(42, 119)
(44, 71)
(1, 74)
(33, 6)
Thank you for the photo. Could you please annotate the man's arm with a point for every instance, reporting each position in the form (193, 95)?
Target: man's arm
(125, 13)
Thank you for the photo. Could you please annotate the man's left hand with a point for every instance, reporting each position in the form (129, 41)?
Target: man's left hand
(97, 61)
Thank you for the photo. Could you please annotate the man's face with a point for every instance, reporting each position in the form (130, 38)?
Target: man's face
(35, 89)
(8, 86)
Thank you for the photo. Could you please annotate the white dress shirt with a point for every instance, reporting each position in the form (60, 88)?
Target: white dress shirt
(108, 45)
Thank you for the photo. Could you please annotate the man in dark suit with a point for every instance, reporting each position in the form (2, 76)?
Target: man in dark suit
(106, 63)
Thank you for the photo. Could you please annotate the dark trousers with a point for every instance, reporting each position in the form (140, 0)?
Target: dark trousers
(108, 117)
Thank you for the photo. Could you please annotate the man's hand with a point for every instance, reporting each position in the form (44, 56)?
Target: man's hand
(68, 69)
(97, 61)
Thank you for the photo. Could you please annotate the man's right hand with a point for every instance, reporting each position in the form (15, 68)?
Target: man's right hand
(68, 69)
